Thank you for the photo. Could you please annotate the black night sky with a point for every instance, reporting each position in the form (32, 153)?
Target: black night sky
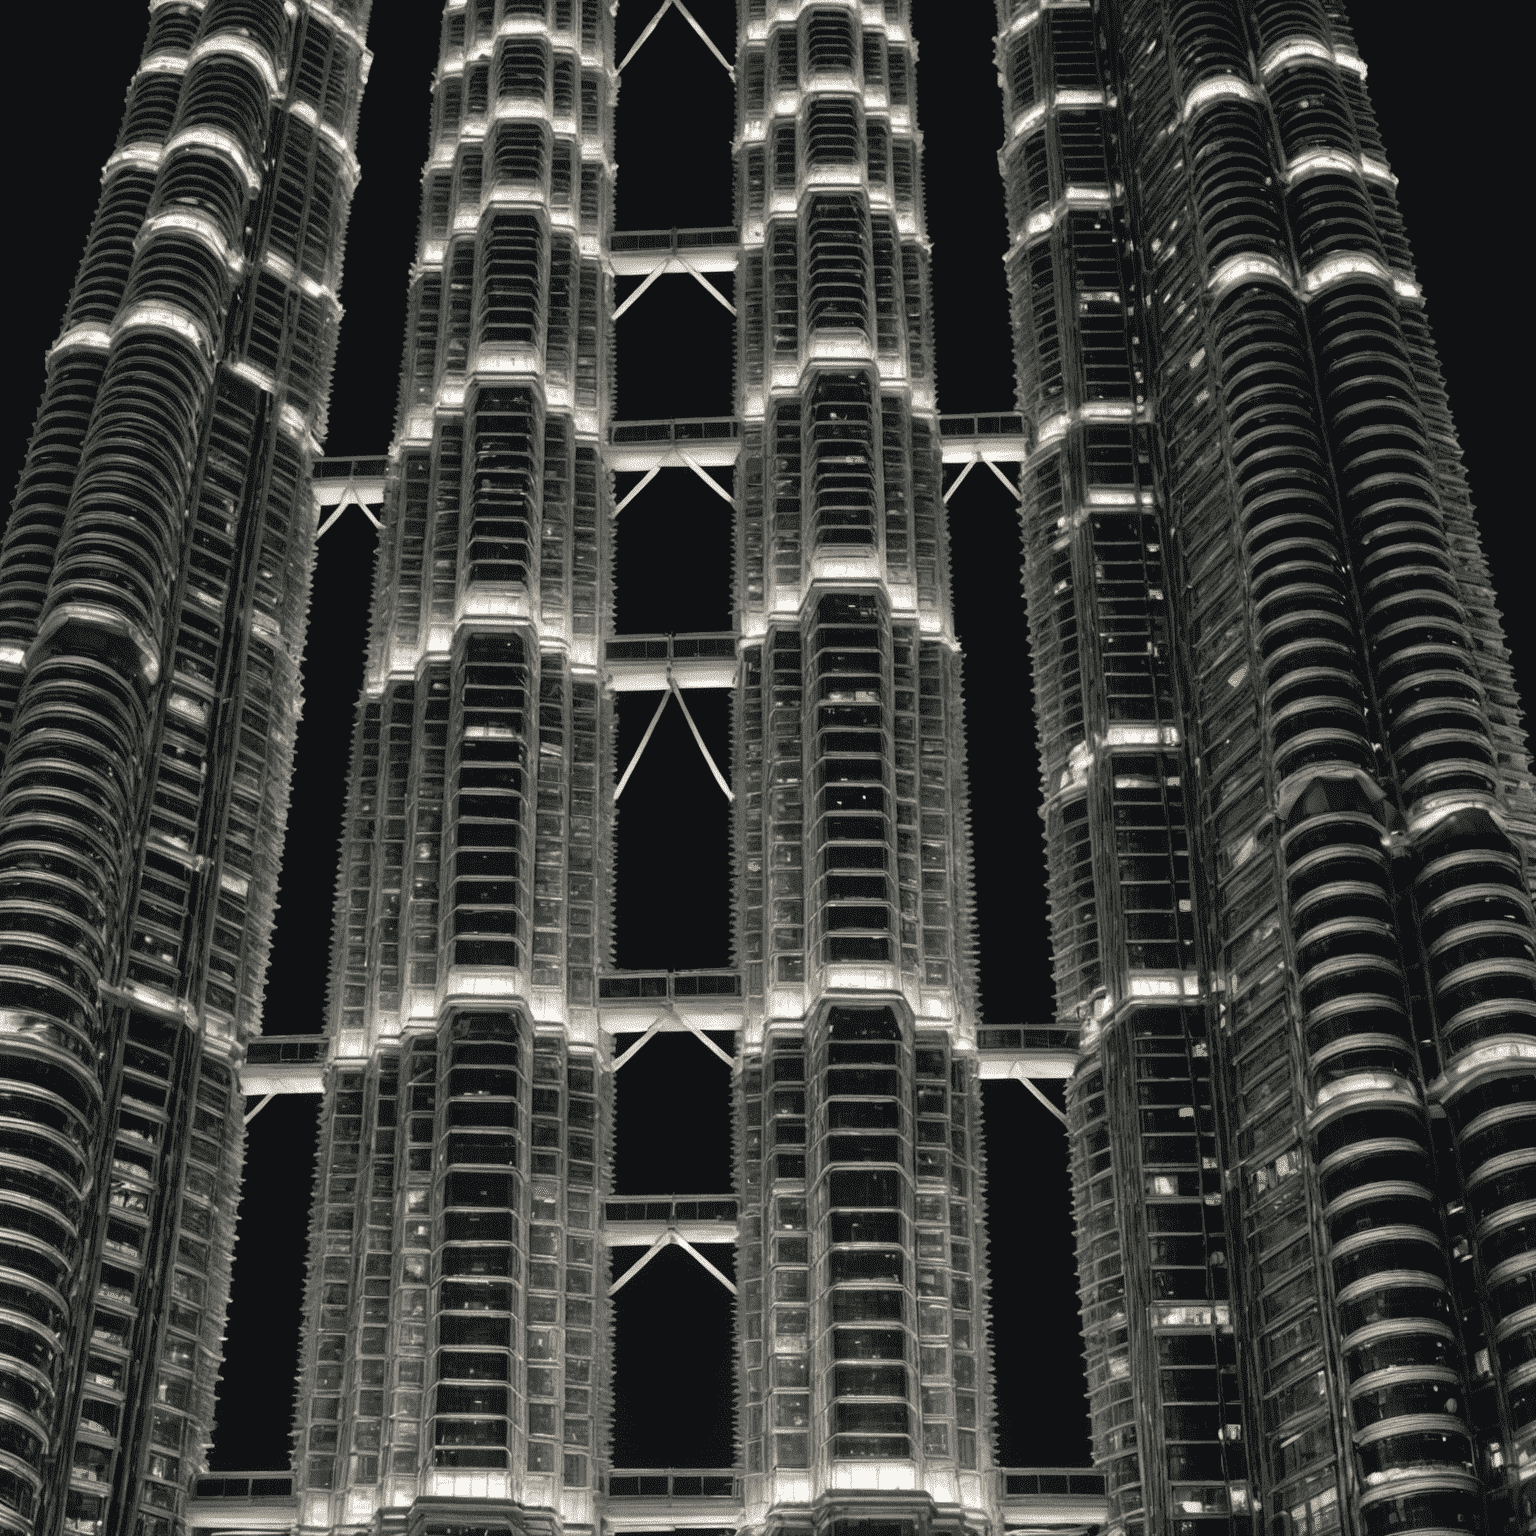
(1448, 116)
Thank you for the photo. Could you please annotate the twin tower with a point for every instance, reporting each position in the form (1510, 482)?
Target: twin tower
(1287, 805)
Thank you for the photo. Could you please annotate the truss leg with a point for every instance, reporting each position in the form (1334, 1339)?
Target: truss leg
(687, 1247)
(719, 777)
(706, 285)
(251, 1114)
(649, 1035)
(649, 28)
(330, 522)
(970, 464)
(1036, 1092)
(706, 477)
(704, 1039)
(645, 742)
(1013, 489)
(645, 1258)
(635, 490)
(655, 271)
(687, 16)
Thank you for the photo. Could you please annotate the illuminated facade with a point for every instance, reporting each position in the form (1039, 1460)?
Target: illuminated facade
(458, 1343)
(1288, 811)
(1288, 804)
(153, 593)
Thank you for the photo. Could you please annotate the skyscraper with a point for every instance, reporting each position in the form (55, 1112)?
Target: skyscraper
(153, 594)
(1288, 802)
(457, 1344)
(1285, 796)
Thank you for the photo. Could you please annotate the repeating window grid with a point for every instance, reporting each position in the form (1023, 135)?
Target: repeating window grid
(551, 824)
(350, 966)
(486, 924)
(448, 477)
(555, 535)
(851, 785)
(896, 486)
(786, 808)
(329, 1292)
(905, 648)
(401, 1458)
(1205, 1455)
(583, 849)
(939, 830)
(749, 840)
(477, 1190)
(543, 1333)
(785, 534)
(506, 431)
(425, 811)
(1151, 846)
(398, 720)
(870, 1302)
(153, 1087)
(750, 1246)
(789, 1345)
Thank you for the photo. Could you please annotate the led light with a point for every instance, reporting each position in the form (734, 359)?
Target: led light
(1374, 1083)
(1223, 86)
(94, 337)
(226, 144)
(1292, 49)
(1237, 269)
(145, 155)
(254, 375)
(1357, 264)
(200, 228)
(240, 47)
(166, 317)
(164, 64)
(1321, 160)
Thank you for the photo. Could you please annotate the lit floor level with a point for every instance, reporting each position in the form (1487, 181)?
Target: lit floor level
(636, 1002)
(709, 442)
(1055, 1499)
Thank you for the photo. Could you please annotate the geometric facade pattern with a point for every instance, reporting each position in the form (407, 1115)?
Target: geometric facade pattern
(1287, 803)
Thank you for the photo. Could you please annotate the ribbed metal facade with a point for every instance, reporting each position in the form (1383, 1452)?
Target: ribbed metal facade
(153, 592)
(862, 1312)
(1288, 803)
(1288, 811)
(455, 1358)
(458, 1351)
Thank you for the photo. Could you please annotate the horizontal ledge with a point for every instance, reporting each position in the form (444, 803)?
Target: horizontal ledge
(307, 1077)
(641, 1234)
(646, 675)
(709, 441)
(658, 1512)
(997, 1065)
(274, 1514)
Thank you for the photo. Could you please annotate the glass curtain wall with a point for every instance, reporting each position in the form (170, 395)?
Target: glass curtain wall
(862, 1318)
(1328, 1085)
(457, 1330)
(153, 595)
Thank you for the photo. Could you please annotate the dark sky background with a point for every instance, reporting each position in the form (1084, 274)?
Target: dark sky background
(1449, 120)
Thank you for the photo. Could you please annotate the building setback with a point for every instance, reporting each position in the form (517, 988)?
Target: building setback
(459, 1337)
(1287, 803)
(154, 584)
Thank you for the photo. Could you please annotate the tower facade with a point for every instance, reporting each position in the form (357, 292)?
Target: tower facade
(153, 593)
(1287, 805)
(1287, 798)
(862, 1310)
(458, 1348)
